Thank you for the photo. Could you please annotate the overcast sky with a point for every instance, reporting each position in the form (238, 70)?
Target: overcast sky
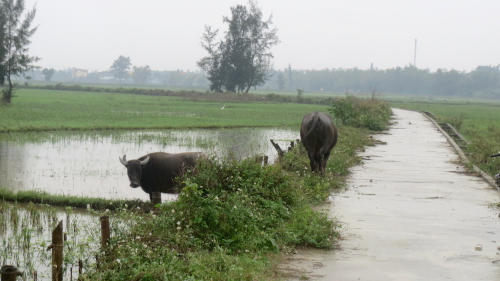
(314, 34)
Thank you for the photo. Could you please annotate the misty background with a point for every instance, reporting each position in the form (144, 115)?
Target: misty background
(326, 46)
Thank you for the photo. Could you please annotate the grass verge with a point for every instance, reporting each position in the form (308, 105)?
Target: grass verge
(70, 201)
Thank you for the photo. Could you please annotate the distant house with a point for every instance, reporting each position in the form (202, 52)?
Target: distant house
(77, 73)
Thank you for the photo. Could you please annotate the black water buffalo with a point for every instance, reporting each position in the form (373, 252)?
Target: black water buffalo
(319, 136)
(155, 172)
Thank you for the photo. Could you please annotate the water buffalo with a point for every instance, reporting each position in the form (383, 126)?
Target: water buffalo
(319, 136)
(155, 172)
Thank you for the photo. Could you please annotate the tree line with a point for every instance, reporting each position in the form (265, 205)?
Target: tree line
(484, 81)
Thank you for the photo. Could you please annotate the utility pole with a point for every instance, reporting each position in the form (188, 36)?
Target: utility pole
(415, 54)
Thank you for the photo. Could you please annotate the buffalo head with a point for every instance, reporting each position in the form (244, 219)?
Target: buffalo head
(134, 169)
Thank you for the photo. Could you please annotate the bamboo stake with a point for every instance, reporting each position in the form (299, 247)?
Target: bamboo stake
(105, 233)
(57, 252)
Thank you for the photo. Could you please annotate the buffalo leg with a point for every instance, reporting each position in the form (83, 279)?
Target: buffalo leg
(311, 161)
(324, 161)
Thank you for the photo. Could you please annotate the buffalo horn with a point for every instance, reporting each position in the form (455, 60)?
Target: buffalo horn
(145, 161)
(495, 155)
(123, 160)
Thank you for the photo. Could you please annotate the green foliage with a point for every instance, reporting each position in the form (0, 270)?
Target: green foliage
(372, 114)
(482, 145)
(48, 73)
(242, 59)
(120, 67)
(309, 228)
(227, 219)
(15, 34)
(455, 119)
(141, 75)
(484, 81)
(239, 207)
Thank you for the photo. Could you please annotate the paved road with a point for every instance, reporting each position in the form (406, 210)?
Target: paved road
(410, 213)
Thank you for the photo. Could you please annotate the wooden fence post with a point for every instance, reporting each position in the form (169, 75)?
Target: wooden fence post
(9, 273)
(105, 233)
(278, 149)
(57, 252)
(266, 160)
(80, 267)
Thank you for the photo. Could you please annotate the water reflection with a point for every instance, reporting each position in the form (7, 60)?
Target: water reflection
(86, 163)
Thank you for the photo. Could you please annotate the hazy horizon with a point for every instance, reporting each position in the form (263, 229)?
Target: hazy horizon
(314, 34)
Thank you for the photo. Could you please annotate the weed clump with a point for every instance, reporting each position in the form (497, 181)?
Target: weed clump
(371, 113)
(483, 144)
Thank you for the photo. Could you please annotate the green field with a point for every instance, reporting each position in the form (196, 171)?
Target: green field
(233, 220)
(50, 109)
(479, 122)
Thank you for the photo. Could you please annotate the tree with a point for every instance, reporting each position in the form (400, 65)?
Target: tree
(121, 67)
(3, 52)
(243, 59)
(48, 73)
(142, 74)
(15, 34)
(281, 81)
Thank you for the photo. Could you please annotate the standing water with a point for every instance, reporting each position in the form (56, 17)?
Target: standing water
(25, 235)
(86, 163)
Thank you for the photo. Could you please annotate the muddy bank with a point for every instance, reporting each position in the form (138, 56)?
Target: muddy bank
(410, 212)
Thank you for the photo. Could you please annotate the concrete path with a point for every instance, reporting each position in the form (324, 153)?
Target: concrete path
(410, 213)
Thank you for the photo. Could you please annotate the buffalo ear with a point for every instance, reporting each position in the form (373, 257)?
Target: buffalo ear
(145, 161)
(123, 160)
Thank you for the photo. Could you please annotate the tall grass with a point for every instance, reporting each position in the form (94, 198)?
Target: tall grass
(372, 114)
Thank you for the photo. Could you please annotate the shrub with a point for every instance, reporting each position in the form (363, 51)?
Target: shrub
(371, 113)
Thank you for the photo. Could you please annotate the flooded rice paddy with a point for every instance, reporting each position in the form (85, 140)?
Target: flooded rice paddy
(25, 235)
(85, 163)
